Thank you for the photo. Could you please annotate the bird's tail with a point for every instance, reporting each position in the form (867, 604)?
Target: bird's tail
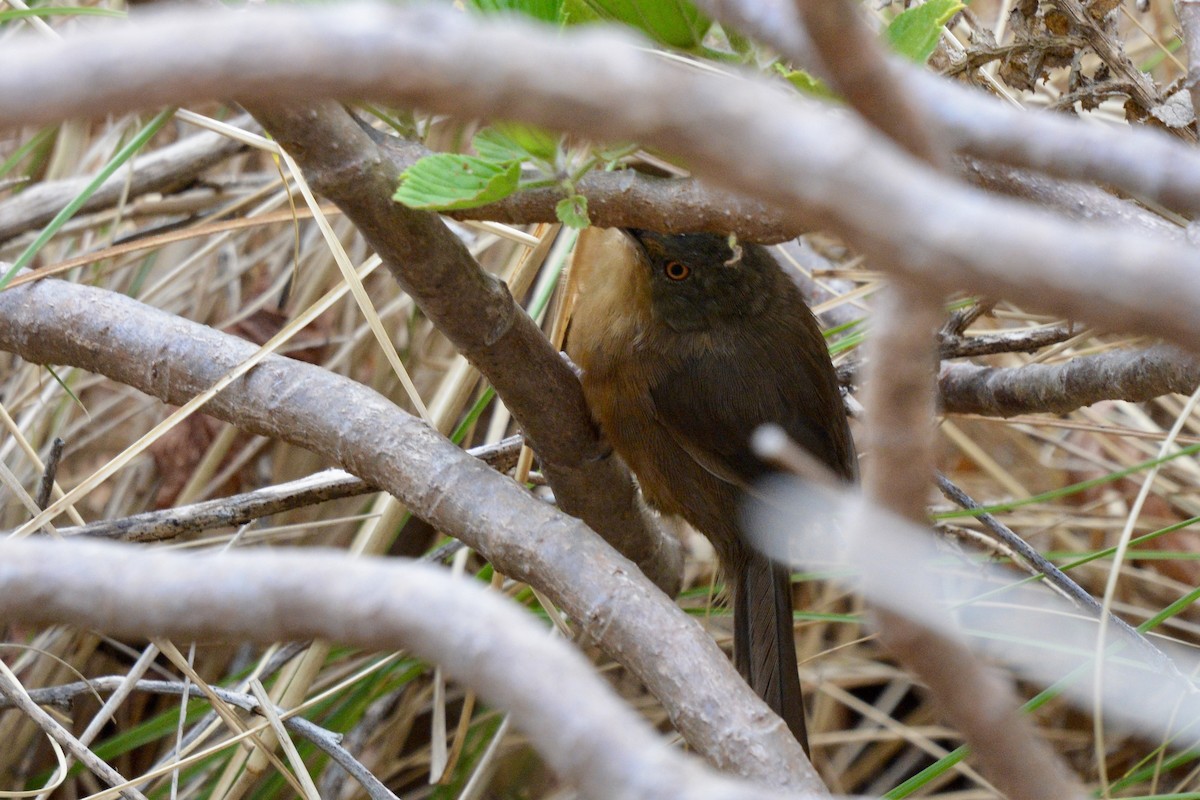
(764, 647)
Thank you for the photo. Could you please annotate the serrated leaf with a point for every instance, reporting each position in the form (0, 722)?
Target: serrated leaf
(446, 181)
(538, 142)
(914, 33)
(544, 10)
(520, 140)
(493, 145)
(573, 211)
(673, 22)
(807, 82)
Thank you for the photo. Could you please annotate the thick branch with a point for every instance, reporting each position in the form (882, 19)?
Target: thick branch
(976, 700)
(822, 168)
(632, 199)
(1075, 200)
(898, 399)
(899, 403)
(478, 314)
(629, 199)
(1133, 375)
(1142, 162)
(856, 63)
(585, 732)
(170, 358)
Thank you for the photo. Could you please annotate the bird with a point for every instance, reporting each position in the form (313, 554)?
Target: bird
(686, 344)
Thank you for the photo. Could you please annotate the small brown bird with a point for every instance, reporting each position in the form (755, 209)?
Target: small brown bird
(687, 344)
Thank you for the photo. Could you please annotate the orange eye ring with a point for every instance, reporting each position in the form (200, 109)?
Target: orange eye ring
(677, 271)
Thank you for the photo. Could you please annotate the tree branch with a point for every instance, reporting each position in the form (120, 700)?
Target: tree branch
(165, 170)
(170, 358)
(1013, 546)
(986, 344)
(330, 484)
(476, 312)
(824, 169)
(1133, 375)
(587, 734)
(973, 698)
(1142, 162)
(855, 62)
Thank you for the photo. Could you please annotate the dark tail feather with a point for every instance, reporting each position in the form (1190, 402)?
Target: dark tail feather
(764, 648)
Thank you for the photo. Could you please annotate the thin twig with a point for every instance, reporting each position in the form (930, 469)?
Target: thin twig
(1040, 565)
(1136, 83)
(46, 486)
(166, 170)
(239, 509)
(987, 344)
(16, 696)
(962, 319)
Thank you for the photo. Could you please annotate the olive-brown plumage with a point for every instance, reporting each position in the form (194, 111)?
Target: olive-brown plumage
(687, 345)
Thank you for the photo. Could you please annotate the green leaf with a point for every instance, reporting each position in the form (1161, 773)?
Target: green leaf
(807, 82)
(914, 33)
(493, 145)
(538, 142)
(1159, 54)
(59, 11)
(515, 141)
(572, 211)
(577, 12)
(63, 385)
(673, 22)
(544, 10)
(40, 143)
(446, 181)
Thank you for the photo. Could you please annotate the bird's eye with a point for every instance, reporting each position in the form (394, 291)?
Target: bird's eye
(677, 271)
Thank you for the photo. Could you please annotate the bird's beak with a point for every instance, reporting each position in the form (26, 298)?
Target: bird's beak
(635, 234)
(649, 242)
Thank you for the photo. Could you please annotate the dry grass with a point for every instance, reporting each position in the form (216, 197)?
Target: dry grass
(237, 250)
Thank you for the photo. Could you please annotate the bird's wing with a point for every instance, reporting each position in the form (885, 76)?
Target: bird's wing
(714, 424)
